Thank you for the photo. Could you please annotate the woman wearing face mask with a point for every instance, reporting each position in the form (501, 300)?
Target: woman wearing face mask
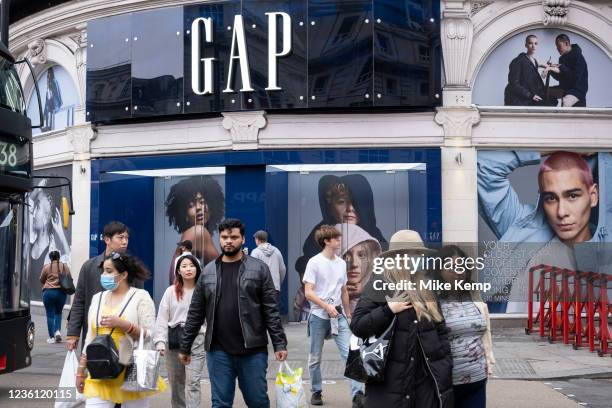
(118, 276)
(168, 329)
(467, 318)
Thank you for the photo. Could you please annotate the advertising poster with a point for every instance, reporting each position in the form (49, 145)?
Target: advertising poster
(58, 97)
(546, 68)
(186, 209)
(44, 222)
(539, 211)
(367, 207)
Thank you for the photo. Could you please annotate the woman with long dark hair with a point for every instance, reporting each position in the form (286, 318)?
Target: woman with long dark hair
(54, 298)
(173, 308)
(467, 318)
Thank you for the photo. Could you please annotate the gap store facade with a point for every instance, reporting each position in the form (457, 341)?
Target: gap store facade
(289, 114)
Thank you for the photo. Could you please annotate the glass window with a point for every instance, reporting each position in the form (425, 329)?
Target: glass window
(10, 273)
(11, 95)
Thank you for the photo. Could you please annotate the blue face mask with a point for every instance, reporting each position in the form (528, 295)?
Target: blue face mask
(108, 282)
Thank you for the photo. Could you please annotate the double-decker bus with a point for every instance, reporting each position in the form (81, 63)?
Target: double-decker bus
(16, 327)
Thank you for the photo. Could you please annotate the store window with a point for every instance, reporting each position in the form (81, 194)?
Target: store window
(367, 203)
(59, 99)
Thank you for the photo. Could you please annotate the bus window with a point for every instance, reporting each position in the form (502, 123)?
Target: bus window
(11, 95)
(10, 274)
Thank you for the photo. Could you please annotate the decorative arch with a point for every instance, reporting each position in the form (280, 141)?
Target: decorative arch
(45, 54)
(499, 23)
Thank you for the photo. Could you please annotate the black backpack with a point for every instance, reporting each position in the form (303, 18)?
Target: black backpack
(102, 354)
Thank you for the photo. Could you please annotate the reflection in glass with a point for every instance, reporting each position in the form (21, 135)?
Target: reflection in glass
(157, 76)
(340, 65)
(222, 14)
(406, 36)
(291, 69)
(109, 70)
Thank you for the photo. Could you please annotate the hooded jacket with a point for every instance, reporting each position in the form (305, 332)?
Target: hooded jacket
(362, 199)
(574, 74)
(272, 257)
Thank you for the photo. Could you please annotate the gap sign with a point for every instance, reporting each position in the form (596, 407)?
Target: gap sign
(238, 52)
(254, 54)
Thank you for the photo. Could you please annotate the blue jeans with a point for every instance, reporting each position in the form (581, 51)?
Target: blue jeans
(319, 329)
(54, 301)
(223, 368)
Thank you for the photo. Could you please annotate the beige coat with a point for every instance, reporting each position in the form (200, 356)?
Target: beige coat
(140, 311)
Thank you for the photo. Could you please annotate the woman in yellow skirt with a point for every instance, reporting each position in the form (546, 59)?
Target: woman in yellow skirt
(122, 311)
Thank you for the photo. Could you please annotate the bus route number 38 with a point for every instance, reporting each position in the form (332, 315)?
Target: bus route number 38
(8, 154)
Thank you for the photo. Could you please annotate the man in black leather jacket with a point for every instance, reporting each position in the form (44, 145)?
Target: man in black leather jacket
(236, 297)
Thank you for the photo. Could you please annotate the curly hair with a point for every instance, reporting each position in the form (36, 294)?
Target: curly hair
(184, 192)
(135, 268)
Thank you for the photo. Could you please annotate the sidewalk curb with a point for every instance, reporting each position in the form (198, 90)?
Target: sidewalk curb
(591, 376)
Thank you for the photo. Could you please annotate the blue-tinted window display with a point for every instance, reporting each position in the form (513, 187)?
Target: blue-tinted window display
(59, 98)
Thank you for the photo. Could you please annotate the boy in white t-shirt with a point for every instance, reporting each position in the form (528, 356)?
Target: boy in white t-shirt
(325, 288)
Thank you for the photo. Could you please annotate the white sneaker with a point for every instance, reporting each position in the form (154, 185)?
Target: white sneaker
(51, 340)
(58, 337)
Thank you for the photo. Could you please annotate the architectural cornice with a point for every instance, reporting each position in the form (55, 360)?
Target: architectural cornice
(66, 17)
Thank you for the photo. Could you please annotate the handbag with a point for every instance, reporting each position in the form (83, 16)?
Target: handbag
(102, 354)
(367, 357)
(143, 372)
(66, 283)
(175, 334)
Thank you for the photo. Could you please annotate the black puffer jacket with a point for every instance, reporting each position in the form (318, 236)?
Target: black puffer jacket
(418, 371)
(257, 302)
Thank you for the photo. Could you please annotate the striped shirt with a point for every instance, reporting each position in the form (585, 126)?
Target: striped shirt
(466, 326)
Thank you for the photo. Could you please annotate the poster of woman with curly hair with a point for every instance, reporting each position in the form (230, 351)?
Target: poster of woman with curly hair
(194, 207)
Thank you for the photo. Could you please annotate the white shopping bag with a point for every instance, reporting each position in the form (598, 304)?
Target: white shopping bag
(68, 397)
(289, 390)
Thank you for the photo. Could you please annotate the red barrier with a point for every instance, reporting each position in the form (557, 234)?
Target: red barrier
(571, 304)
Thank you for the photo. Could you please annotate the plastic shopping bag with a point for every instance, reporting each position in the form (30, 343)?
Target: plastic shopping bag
(142, 374)
(68, 397)
(289, 390)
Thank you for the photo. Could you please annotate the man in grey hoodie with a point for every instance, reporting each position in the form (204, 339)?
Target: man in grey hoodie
(272, 257)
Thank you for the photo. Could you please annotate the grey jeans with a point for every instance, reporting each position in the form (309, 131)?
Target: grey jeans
(185, 380)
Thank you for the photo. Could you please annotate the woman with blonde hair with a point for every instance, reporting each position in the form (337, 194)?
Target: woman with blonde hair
(418, 366)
